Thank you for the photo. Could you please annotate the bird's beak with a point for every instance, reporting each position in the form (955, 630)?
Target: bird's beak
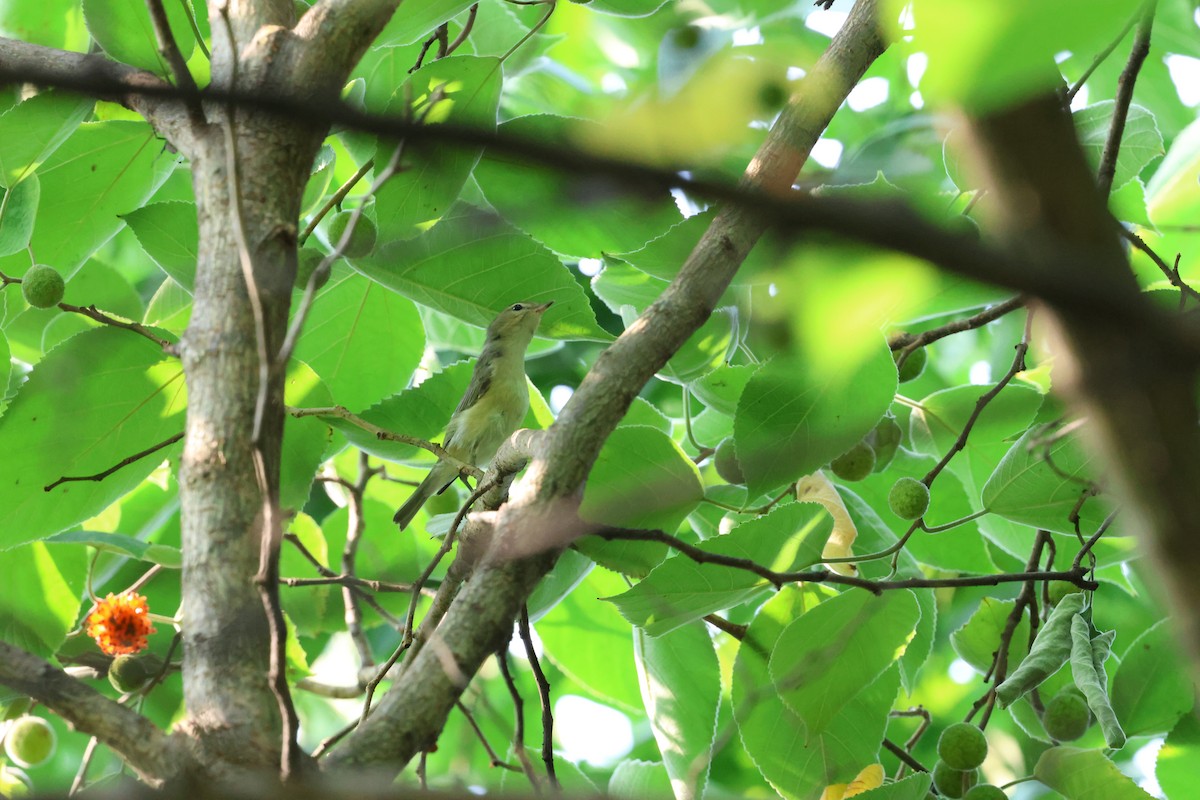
(542, 308)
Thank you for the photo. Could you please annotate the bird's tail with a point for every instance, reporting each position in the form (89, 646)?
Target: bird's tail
(438, 479)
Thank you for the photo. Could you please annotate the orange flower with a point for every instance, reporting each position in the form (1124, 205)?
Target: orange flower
(120, 623)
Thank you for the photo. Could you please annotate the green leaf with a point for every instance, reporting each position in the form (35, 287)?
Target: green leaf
(1039, 485)
(54, 23)
(470, 265)
(627, 8)
(315, 609)
(662, 257)
(875, 536)
(1179, 758)
(567, 573)
(362, 340)
(842, 645)
(1088, 655)
(1128, 204)
(976, 641)
(40, 601)
(796, 764)
(587, 639)
(170, 234)
(123, 28)
(304, 439)
(940, 418)
(432, 175)
(681, 686)
(641, 479)
(104, 170)
(1141, 141)
(628, 292)
(1050, 651)
(18, 209)
(98, 398)
(991, 53)
(791, 419)
(419, 19)
(1085, 775)
(422, 411)
(640, 780)
(721, 388)
(33, 129)
(914, 787)
(169, 557)
(1151, 689)
(583, 217)
(680, 590)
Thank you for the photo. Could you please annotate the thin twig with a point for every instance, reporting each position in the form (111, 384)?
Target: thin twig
(1125, 84)
(495, 760)
(335, 198)
(911, 342)
(1100, 58)
(84, 763)
(125, 462)
(340, 412)
(543, 693)
(1171, 273)
(519, 726)
(465, 32)
(902, 754)
(168, 48)
(91, 312)
(345, 580)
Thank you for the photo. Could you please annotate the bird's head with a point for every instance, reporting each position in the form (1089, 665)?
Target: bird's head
(517, 322)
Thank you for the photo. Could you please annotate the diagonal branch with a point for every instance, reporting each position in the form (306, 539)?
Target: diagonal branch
(541, 514)
(155, 755)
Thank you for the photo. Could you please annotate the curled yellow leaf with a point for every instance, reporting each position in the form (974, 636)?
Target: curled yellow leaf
(870, 778)
(816, 488)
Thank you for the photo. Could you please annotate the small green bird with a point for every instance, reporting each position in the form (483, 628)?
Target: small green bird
(494, 405)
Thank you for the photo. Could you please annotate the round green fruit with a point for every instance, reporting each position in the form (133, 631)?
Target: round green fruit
(855, 464)
(42, 286)
(962, 746)
(306, 263)
(885, 440)
(132, 671)
(909, 498)
(362, 239)
(1067, 716)
(726, 461)
(30, 741)
(953, 783)
(1057, 590)
(985, 791)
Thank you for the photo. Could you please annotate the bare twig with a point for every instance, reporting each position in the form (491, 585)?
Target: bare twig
(335, 198)
(544, 694)
(1100, 58)
(125, 462)
(91, 312)
(1137, 56)
(494, 759)
(519, 726)
(169, 50)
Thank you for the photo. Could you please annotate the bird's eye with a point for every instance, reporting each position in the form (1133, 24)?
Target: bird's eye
(517, 307)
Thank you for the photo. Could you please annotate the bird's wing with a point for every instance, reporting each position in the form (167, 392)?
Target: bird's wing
(481, 379)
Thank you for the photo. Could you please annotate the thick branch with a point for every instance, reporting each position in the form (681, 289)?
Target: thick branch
(155, 755)
(1035, 270)
(541, 512)
(1138, 392)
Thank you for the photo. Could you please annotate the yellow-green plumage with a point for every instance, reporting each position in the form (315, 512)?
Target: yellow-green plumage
(492, 408)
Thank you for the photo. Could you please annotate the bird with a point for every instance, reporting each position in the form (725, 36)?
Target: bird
(494, 404)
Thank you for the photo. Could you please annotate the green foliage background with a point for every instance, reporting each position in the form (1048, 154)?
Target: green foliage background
(794, 366)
